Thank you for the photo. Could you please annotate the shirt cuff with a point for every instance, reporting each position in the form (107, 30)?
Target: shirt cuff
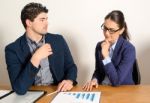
(106, 60)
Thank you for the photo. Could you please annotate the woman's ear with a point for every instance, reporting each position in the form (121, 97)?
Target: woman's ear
(122, 30)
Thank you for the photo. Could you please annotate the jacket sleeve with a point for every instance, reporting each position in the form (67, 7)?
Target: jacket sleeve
(99, 72)
(118, 74)
(69, 65)
(21, 73)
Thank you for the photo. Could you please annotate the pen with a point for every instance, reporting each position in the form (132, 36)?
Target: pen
(52, 93)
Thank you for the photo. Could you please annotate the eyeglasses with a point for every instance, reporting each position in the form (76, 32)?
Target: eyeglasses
(111, 31)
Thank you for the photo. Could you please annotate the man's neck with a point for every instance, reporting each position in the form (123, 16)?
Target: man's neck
(34, 36)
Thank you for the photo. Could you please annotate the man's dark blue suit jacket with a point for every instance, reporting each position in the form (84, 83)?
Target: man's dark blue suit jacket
(22, 72)
(119, 70)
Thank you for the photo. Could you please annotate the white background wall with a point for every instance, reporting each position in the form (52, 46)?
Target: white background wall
(79, 22)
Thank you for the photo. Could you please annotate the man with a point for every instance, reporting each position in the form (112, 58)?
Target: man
(38, 57)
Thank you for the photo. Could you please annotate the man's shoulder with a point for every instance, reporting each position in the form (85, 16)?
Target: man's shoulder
(52, 35)
(15, 43)
(55, 37)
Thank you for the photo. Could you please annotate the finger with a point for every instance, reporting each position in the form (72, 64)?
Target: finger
(60, 86)
(47, 44)
(103, 43)
(106, 40)
(50, 53)
(91, 86)
(50, 48)
(96, 85)
(86, 86)
(64, 88)
(69, 86)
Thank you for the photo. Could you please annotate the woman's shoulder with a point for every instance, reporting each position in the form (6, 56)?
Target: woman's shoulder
(127, 46)
(99, 43)
(127, 43)
(98, 46)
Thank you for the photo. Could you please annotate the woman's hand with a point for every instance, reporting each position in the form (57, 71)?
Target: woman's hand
(105, 48)
(89, 85)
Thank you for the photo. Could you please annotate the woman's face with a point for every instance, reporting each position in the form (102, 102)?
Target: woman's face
(111, 30)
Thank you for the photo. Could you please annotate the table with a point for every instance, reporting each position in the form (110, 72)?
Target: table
(109, 94)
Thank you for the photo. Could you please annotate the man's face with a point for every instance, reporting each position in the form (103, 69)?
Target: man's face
(40, 24)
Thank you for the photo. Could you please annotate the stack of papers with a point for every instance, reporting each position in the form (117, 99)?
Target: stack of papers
(29, 97)
(4, 92)
(77, 97)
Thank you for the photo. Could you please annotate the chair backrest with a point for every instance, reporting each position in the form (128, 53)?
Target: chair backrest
(136, 73)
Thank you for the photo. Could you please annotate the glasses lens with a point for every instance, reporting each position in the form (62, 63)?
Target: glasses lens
(111, 31)
(103, 27)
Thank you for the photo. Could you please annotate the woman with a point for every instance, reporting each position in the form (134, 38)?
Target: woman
(115, 55)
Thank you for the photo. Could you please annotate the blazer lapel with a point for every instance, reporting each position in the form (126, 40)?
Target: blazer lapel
(50, 40)
(25, 52)
(117, 48)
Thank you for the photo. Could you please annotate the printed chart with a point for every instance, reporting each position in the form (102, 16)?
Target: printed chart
(77, 97)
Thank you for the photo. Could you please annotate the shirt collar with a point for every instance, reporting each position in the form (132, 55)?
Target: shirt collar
(114, 45)
(33, 42)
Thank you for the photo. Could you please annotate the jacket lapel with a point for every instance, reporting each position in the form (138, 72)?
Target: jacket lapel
(51, 58)
(25, 52)
(117, 48)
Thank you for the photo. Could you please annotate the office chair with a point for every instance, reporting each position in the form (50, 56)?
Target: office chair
(136, 73)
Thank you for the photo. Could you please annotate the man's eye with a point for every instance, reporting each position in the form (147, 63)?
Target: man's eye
(42, 20)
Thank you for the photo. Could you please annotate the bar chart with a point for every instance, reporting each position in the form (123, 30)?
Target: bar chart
(77, 97)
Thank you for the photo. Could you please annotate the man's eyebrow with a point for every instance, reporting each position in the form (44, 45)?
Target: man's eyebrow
(44, 18)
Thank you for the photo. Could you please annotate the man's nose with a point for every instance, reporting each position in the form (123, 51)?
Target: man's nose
(46, 22)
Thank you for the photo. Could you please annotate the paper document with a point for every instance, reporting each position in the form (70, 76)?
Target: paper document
(29, 97)
(77, 97)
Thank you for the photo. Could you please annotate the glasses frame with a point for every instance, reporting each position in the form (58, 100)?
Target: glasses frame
(111, 31)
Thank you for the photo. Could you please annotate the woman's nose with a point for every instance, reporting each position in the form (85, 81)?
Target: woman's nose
(107, 33)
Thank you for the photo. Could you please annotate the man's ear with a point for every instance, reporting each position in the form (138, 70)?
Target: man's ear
(28, 22)
(122, 30)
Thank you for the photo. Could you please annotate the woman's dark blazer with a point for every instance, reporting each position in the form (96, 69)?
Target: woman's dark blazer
(119, 70)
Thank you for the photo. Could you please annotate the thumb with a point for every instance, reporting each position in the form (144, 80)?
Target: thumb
(96, 85)
(106, 40)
